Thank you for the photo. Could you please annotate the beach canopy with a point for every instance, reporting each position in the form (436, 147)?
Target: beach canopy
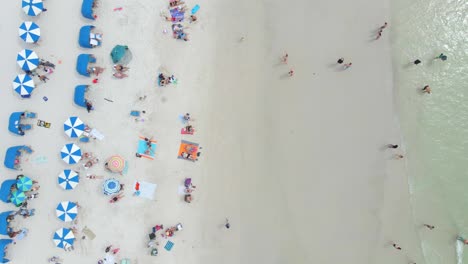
(121, 54)
(32, 7)
(73, 127)
(87, 9)
(17, 197)
(3, 244)
(111, 186)
(64, 238)
(82, 63)
(27, 60)
(24, 184)
(29, 31)
(84, 37)
(4, 223)
(68, 179)
(5, 190)
(70, 153)
(66, 211)
(13, 153)
(115, 164)
(79, 97)
(23, 85)
(14, 123)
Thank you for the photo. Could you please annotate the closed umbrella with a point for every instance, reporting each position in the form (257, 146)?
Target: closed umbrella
(71, 153)
(23, 85)
(66, 211)
(68, 179)
(27, 60)
(29, 31)
(74, 127)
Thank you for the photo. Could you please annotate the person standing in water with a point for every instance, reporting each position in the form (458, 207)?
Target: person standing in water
(426, 89)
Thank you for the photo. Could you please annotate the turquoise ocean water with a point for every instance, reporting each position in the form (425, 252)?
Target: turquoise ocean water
(435, 127)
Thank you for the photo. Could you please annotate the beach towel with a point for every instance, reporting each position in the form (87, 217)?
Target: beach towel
(88, 233)
(181, 190)
(143, 148)
(95, 133)
(195, 9)
(177, 15)
(144, 189)
(184, 131)
(169, 245)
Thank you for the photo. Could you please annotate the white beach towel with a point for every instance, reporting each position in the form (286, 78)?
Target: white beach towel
(95, 133)
(146, 189)
(181, 190)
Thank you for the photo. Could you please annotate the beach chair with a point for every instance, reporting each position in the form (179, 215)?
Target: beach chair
(43, 123)
(125, 261)
(169, 245)
(30, 114)
(25, 126)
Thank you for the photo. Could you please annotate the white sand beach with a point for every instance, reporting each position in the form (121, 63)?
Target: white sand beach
(298, 165)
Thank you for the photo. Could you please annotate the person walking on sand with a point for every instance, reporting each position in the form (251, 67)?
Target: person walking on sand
(426, 89)
(340, 60)
(227, 225)
(430, 227)
(284, 59)
(291, 73)
(396, 246)
(392, 146)
(347, 65)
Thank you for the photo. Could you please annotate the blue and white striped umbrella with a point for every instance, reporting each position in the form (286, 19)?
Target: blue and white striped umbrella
(74, 127)
(29, 31)
(111, 186)
(68, 179)
(64, 238)
(66, 211)
(71, 153)
(23, 84)
(27, 60)
(32, 7)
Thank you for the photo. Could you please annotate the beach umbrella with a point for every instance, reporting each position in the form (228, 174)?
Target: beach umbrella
(66, 211)
(74, 127)
(115, 164)
(68, 179)
(32, 7)
(17, 197)
(24, 184)
(23, 84)
(64, 238)
(27, 60)
(71, 153)
(29, 31)
(111, 186)
(121, 54)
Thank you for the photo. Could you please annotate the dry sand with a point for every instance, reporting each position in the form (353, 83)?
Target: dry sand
(296, 164)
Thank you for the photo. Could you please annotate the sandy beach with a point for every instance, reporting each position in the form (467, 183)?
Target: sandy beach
(297, 164)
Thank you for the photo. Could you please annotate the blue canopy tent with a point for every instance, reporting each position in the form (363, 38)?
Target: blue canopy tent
(4, 223)
(79, 98)
(3, 244)
(5, 190)
(12, 154)
(87, 9)
(82, 63)
(14, 123)
(84, 38)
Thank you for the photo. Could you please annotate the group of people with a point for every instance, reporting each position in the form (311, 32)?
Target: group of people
(89, 160)
(164, 80)
(189, 188)
(46, 68)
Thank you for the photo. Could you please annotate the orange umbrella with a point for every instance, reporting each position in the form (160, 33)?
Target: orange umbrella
(115, 164)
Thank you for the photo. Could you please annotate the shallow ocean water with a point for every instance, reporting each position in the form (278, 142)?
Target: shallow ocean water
(435, 126)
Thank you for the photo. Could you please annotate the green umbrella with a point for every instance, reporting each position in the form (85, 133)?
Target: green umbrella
(17, 197)
(121, 54)
(24, 184)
